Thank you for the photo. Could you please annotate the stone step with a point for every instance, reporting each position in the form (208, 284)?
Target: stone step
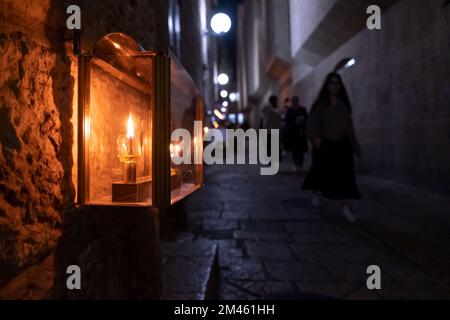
(190, 269)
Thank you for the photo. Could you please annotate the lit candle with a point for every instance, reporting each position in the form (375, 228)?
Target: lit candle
(172, 150)
(130, 163)
(178, 150)
(175, 149)
(130, 133)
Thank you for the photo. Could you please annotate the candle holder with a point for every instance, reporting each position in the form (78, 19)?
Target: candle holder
(129, 170)
(131, 192)
(131, 189)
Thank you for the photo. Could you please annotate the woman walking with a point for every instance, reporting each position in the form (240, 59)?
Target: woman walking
(331, 131)
(296, 140)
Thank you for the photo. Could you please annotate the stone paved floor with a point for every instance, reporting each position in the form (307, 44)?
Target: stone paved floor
(273, 244)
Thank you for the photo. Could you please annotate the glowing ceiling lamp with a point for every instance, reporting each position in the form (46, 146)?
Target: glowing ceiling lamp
(220, 23)
(223, 79)
(344, 64)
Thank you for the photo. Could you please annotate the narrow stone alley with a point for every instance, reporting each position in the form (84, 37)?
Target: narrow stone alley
(273, 245)
(111, 113)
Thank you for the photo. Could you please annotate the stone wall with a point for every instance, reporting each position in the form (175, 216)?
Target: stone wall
(305, 17)
(400, 88)
(37, 148)
(35, 134)
(191, 42)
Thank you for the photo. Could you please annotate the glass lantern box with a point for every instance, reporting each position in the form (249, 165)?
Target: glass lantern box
(129, 103)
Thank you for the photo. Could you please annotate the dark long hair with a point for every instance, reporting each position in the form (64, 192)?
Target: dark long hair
(324, 94)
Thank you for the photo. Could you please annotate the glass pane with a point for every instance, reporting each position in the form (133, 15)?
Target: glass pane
(184, 113)
(120, 135)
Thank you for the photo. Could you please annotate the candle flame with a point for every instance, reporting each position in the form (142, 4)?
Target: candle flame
(130, 127)
(175, 149)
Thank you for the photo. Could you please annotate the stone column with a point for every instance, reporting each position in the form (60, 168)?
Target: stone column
(117, 250)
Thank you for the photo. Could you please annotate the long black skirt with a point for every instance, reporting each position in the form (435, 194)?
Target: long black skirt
(333, 171)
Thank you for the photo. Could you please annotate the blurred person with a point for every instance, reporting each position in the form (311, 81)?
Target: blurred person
(331, 131)
(271, 120)
(284, 135)
(286, 107)
(296, 141)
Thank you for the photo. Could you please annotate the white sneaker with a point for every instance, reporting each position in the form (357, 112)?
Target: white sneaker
(315, 201)
(348, 214)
